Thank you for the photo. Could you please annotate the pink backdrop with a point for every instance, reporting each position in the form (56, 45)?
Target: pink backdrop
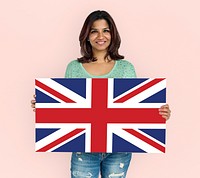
(38, 38)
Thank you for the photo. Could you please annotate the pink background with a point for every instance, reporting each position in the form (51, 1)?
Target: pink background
(38, 38)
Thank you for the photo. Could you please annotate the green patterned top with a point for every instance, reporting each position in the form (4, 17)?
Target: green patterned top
(121, 69)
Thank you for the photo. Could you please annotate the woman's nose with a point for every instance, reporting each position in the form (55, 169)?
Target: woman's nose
(100, 35)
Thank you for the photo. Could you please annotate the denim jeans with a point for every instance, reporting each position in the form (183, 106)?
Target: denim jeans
(90, 165)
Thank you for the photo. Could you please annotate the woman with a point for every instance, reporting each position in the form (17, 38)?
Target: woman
(100, 41)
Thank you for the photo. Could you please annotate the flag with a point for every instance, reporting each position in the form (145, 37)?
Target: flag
(100, 115)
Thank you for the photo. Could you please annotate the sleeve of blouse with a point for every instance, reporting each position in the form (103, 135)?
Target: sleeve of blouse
(130, 71)
(68, 71)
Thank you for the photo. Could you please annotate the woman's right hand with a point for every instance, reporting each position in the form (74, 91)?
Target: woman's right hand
(33, 102)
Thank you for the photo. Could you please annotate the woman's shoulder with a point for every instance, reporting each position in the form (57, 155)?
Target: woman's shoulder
(127, 68)
(72, 69)
(73, 63)
(124, 63)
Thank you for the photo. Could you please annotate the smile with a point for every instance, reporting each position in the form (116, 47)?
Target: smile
(100, 42)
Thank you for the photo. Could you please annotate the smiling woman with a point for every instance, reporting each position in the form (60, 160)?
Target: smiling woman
(99, 42)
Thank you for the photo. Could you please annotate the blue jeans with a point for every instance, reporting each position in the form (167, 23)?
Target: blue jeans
(109, 165)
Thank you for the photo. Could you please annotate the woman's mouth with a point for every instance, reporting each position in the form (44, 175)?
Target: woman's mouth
(101, 42)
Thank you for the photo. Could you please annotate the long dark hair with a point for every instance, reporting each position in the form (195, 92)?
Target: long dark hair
(86, 48)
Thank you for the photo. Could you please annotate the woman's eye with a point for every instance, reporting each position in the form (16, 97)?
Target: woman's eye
(106, 30)
(93, 31)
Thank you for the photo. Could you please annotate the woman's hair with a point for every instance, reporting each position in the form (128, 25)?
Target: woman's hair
(86, 48)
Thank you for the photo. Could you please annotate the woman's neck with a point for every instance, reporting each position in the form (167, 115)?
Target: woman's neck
(100, 56)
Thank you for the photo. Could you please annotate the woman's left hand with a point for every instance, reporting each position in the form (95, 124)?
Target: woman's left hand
(165, 112)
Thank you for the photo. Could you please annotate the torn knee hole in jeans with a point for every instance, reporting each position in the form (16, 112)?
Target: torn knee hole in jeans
(115, 175)
(82, 174)
(121, 165)
(78, 155)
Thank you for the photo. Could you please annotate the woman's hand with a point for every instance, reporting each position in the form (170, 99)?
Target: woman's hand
(165, 112)
(33, 103)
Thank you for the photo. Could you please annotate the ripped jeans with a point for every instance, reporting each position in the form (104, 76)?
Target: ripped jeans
(90, 165)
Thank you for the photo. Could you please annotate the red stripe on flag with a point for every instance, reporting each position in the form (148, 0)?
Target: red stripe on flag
(60, 140)
(88, 115)
(99, 108)
(53, 92)
(146, 139)
(137, 91)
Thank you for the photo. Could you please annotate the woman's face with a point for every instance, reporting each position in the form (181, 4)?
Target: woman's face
(99, 36)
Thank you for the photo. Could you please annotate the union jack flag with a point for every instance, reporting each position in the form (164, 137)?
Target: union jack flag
(100, 115)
